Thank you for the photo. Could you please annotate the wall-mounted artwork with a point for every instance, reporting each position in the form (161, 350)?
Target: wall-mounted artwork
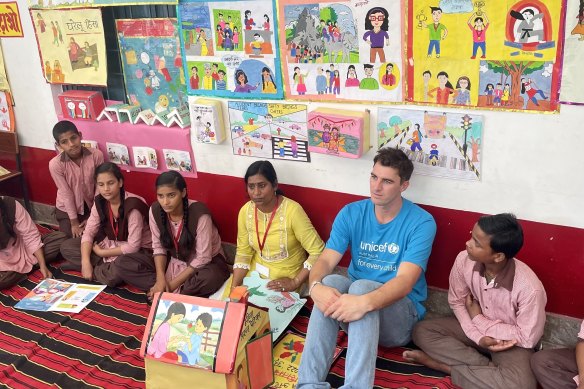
(206, 120)
(39, 4)
(439, 144)
(500, 55)
(231, 50)
(342, 50)
(152, 65)
(269, 130)
(71, 45)
(572, 90)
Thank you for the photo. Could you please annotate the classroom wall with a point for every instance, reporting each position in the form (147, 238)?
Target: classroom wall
(531, 166)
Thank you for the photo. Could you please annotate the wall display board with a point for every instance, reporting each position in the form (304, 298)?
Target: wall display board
(231, 49)
(439, 144)
(342, 50)
(71, 45)
(501, 55)
(572, 90)
(39, 4)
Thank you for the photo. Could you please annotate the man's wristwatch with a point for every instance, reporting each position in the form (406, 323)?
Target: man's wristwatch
(312, 286)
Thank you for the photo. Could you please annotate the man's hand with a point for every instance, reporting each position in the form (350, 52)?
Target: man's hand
(77, 228)
(347, 308)
(472, 306)
(496, 345)
(324, 296)
(158, 287)
(86, 270)
(45, 271)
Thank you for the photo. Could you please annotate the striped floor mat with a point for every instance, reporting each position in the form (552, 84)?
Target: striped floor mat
(98, 347)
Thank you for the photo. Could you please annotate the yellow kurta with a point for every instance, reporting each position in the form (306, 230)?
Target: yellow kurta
(292, 242)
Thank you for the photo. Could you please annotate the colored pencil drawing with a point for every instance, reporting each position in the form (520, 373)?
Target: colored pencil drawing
(571, 90)
(438, 143)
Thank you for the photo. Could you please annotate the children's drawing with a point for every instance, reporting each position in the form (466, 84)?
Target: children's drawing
(226, 51)
(571, 90)
(342, 50)
(283, 306)
(72, 46)
(185, 334)
(438, 143)
(476, 53)
(206, 120)
(38, 4)
(178, 160)
(269, 130)
(343, 134)
(152, 64)
(145, 157)
(117, 153)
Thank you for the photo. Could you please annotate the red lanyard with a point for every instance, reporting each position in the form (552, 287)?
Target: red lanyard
(113, 222)
(263, 242)
(176, 237)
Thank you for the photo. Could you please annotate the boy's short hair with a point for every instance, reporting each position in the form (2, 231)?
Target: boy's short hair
(397, 159)
(505, 232)
(62, 127)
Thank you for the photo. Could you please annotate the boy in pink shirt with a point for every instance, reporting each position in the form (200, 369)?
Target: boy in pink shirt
(72, 171)
(499, 304)
(21, 247)
(561, 368)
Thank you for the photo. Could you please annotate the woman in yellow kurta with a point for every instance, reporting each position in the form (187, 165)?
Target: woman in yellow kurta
(274, 235)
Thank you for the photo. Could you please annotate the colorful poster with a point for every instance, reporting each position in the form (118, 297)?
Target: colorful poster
(439, 144)
(269, 130)
(500, 55)
(72, 46)
(231, 49)
(342, 50)
(39, 4)
(10, 25)
(152, 64)
(572, 90)
(4, 85)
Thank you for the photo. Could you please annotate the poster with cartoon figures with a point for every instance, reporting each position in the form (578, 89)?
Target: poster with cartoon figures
(342, 50)
(572, 90)
(71, 45)
(500, 55)
(185, 333)
(439, 144)
(152, 64)
(269, 130)
(231, 49)
(39, 4)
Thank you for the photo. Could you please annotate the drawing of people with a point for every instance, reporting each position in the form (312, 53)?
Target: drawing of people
(157, 345)
(228, 41)
(248, 20)
(214, 72)
(437, 31)
(281, 150)
(41, 22)
(525, 30)
(479, 33)
(59, 32)
(443, 90)
(256, 45)
(505, 96)
(235, 38)
(388, 78)
(324, 31)
(154, 79)
(462, 94)
(498, 93)
(220, 36)
(58, 75)
(336, 32)
(368, 82)
(241, 83)
(299, 81)
(321, 85)
(221, 84)
(74, 50)
(376, 24)
(208, 82)
(331, 75)
(221, 21)
(294, 146)
(579, 27)
(352, 80)
(89, 53)
(433, 158)
(268, 84)
(335, 139)
(326, 135)
(203, 42)
(55, 34)
(336, 82)
(426, 76)
(416, 138)
(194, 80)
(528, 87)
(266, 25)
(489, 93)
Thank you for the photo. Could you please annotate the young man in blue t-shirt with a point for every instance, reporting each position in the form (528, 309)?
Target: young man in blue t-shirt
(381, 300)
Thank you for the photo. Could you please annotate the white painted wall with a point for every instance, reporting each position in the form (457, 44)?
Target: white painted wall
(532, 164)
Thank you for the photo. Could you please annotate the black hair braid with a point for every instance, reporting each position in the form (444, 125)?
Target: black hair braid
(186, 239)
(165, 238)
(9, 228)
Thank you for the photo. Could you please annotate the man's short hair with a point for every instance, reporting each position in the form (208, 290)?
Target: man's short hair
(397, 159)
(505, 232)
(62, 127)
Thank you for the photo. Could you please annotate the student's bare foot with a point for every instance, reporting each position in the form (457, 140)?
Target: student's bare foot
(418, 356)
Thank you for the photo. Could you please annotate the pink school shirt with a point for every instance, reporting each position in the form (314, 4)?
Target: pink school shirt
(207, 245)
(75, 184)
(513, 304)
(18, 255)
(581, 337)
(138, 232)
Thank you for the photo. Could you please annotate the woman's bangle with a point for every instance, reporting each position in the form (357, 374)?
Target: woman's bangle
(312, 286)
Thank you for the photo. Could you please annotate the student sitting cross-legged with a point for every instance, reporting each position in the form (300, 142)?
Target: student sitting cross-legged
(381, 300)
(21, 247)
(499, 305)
(561, 368)
(117, 230)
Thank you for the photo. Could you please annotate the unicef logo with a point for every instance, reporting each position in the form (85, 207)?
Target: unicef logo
(393, 248)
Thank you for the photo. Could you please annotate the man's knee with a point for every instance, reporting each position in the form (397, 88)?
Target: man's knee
(360, 287)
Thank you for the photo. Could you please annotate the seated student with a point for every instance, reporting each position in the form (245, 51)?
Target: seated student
(72, 170)
(21, 247)
(390, 239)
(117, 229)
(499, 305)
(560, 368)
(274, 234)
(182, 230)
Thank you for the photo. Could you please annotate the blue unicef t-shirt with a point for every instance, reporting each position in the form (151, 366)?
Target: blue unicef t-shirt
(378, 249)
